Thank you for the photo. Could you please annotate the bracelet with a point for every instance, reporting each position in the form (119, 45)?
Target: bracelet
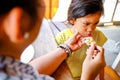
(66, 48)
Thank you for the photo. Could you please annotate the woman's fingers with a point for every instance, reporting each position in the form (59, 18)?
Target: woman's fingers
(90, 51)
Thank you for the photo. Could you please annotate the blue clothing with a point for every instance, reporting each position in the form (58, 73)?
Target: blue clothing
(12, 69)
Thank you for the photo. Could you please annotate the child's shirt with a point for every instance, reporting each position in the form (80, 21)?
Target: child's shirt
(75, 60)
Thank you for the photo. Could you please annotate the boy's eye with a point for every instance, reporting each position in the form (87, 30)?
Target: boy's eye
(96, 23)
(86, 23)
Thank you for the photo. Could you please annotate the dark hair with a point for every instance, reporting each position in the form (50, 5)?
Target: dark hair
(28, 6)
(80, 8)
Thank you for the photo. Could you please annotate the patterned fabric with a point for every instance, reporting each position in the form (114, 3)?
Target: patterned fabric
(76, 59)
(11, 69)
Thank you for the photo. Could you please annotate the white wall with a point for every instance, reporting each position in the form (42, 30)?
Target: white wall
(61, 14)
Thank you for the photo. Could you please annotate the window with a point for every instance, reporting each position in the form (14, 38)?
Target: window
(111, 12)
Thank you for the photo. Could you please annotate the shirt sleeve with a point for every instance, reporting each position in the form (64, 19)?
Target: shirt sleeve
(45, 77)
(101, 38)
(59, 38)
(63, 36)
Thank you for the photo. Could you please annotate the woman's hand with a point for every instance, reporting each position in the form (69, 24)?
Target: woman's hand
(75, 42)
(93, 63)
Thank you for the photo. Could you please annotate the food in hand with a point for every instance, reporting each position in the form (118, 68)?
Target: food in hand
(88, 40)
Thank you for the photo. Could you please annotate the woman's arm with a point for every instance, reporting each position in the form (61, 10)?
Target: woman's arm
(49, 62)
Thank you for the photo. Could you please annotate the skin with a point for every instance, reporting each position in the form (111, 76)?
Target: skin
(50, 62)
(96, 64)
(16, 23)
(13, 27)
(87, 24)
(12, 42)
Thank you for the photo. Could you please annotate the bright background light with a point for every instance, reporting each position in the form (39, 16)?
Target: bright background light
(27, 54)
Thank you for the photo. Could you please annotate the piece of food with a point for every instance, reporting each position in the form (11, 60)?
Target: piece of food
(88, 40)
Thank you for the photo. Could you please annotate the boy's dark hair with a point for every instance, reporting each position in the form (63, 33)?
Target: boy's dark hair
(28, 6)
(80, 8)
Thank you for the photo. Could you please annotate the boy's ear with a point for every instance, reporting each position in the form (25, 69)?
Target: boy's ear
(13, 24)
(72, 21)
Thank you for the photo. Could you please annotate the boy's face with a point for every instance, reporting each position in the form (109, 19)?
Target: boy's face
(87, 24)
